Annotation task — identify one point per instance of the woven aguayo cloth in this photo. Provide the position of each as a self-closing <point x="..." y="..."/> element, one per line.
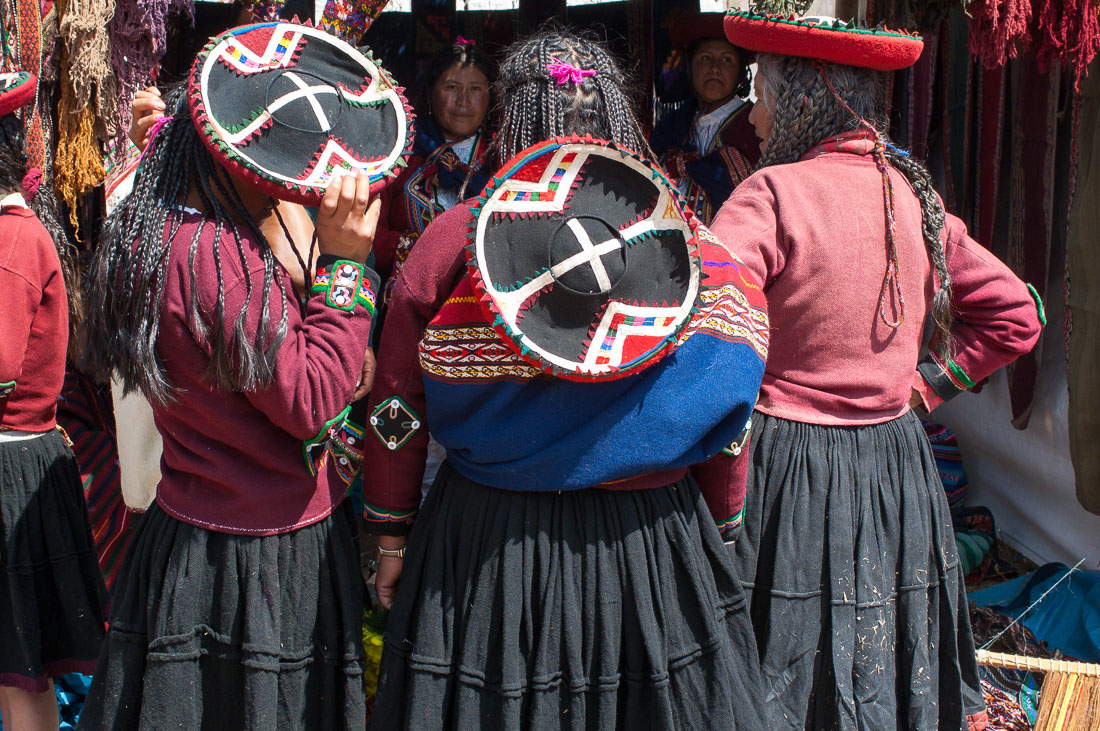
<point x="286" y="107"/>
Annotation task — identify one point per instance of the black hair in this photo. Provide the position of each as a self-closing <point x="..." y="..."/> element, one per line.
<point x="807" y="111"/>
<point x="746" y="57"/>
<point x="536" y="107"/>
<point x="462" y="54"/>
<point x="13" y="168"/>
<point x="126" y="281"/>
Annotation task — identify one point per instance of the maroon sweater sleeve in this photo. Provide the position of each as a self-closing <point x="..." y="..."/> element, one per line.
<point x="319" y="362"/>
<point x="392" y="477"/>
<point x="19" y="297"/>
<point x="999" y="319"/>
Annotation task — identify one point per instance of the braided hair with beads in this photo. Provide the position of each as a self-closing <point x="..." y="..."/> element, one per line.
<point x="812" y="101"/>
<point x="126" y="279"/>
<point x="536" y="106"/>
<point x="13" y="171"/>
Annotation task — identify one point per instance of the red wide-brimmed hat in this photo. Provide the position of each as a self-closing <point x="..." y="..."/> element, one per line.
<point x="16" y="90"/>
<point x="828" y="39"/>
<point x="288" y="108"/>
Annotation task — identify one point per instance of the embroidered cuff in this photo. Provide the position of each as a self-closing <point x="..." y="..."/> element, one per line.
<point x="340" y="443"/>
<point x="730" y="528"/>
<point x="946" y="378"/>
<point x="383" y="522"/>
<point x="1039" y="309"/>
<point x="345" y="284"/>
<point x="7" y="389"/>
<point x="930" y="400"/>
<point x="394" y="422"/>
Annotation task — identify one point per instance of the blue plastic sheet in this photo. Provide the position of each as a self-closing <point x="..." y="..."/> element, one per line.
<point x="1067" y="619"/>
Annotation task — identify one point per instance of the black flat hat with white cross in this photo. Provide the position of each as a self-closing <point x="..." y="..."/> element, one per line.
<point x="288" y="107"/>
<point x="585" y="259"/>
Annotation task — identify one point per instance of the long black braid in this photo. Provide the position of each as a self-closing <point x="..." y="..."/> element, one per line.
<point x="807" y="112"/>
<point x="126" y="280"/>
<point x="13" y="168"/>
<point x="535" y="107"/>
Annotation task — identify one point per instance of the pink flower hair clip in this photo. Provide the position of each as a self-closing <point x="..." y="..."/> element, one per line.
<point x="460" y="41"/>
<point x="565" y="72"/>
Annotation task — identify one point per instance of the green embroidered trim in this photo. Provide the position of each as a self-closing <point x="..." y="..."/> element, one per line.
<point x="394" y="422"/>
<point x="341" y="293"/>
<point x="1038" y="305"/>
<point x="960" y="374"/>
<point x="731" y="522"/>
<point x="7" y="389"/>
<point x="312" y="460"/>
<point x="381" y="515"/>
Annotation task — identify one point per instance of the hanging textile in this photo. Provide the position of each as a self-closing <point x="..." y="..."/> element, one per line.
<point x="349" y="19"/>
<point x="1031" y="215"/>
<point x="139" y="38"/>
<point x="1083" y="301"/>
<point x="1067" y="32"/>
<point x="85" y="112"/>
<point x="998" y="29"/>
<point x="992" y="90"/>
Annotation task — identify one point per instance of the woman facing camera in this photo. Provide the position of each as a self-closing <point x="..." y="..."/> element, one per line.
<point x="858" y="600"/>
<point x="708" y="145"/>
<point x="449" y="150"/>
<point x="565" y="570"/>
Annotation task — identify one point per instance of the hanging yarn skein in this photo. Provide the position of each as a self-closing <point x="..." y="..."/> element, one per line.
<point x="139" y="38"/>
<point x="1068" y="32"/>
<point x="998" y="30"/>
<point x="85" y="112"/>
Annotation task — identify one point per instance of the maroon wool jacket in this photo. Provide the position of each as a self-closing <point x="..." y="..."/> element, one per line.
<point x="814" y="232"/>
<point x="233" y="461"/>
<point x="34" y="323"/>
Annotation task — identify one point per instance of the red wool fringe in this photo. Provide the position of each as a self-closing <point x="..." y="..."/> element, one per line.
<point x="1067" y="31"/>
<point x="999" y="29"/>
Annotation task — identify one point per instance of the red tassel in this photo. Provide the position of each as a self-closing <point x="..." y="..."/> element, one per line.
<point x="1068" y="32"/>
<point x="998" y="30"/>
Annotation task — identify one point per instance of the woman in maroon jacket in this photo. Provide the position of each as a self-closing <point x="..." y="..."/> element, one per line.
<point x="52" y="598"/>
<point x="857" y="594"/>
<point x="240" y="603"/>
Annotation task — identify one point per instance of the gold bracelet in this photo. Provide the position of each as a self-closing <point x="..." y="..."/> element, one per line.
<point x="396" y="553"/>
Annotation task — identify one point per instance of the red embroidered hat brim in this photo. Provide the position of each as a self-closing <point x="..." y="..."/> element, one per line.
<point x="16" y="90"/>
<point x="287" y="108"/>
<point x="826" y="39"/>
<point x="585" y="259"/>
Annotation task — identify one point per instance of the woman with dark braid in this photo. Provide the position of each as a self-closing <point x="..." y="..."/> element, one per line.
<point x="564" y="571"/>
<point x="52" y="598"/>
<point x="858" y="600"/>
<point x="240" y="602"/>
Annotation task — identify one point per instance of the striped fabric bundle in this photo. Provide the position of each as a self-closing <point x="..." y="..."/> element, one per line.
<point x="949" y="463"/>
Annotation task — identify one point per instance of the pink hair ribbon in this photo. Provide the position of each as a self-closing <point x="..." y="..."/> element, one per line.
<point x="566" y="72"/>
<point x="460" y="41"/>
<point x="153" y="132"/>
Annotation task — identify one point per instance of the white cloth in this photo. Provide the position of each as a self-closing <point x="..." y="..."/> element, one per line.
<point x="706" y="125"/>
<point x="139" y="448"/>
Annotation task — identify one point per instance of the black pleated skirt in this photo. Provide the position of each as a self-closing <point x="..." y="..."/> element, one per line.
<point x="857" y="596"/>
<point x="52" y="598"/>
<point x="216" y="631"/>
<point x="590" y="609"/>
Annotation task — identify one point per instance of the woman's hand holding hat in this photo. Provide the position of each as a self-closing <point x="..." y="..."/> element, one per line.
<point x="347" y="218"/>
